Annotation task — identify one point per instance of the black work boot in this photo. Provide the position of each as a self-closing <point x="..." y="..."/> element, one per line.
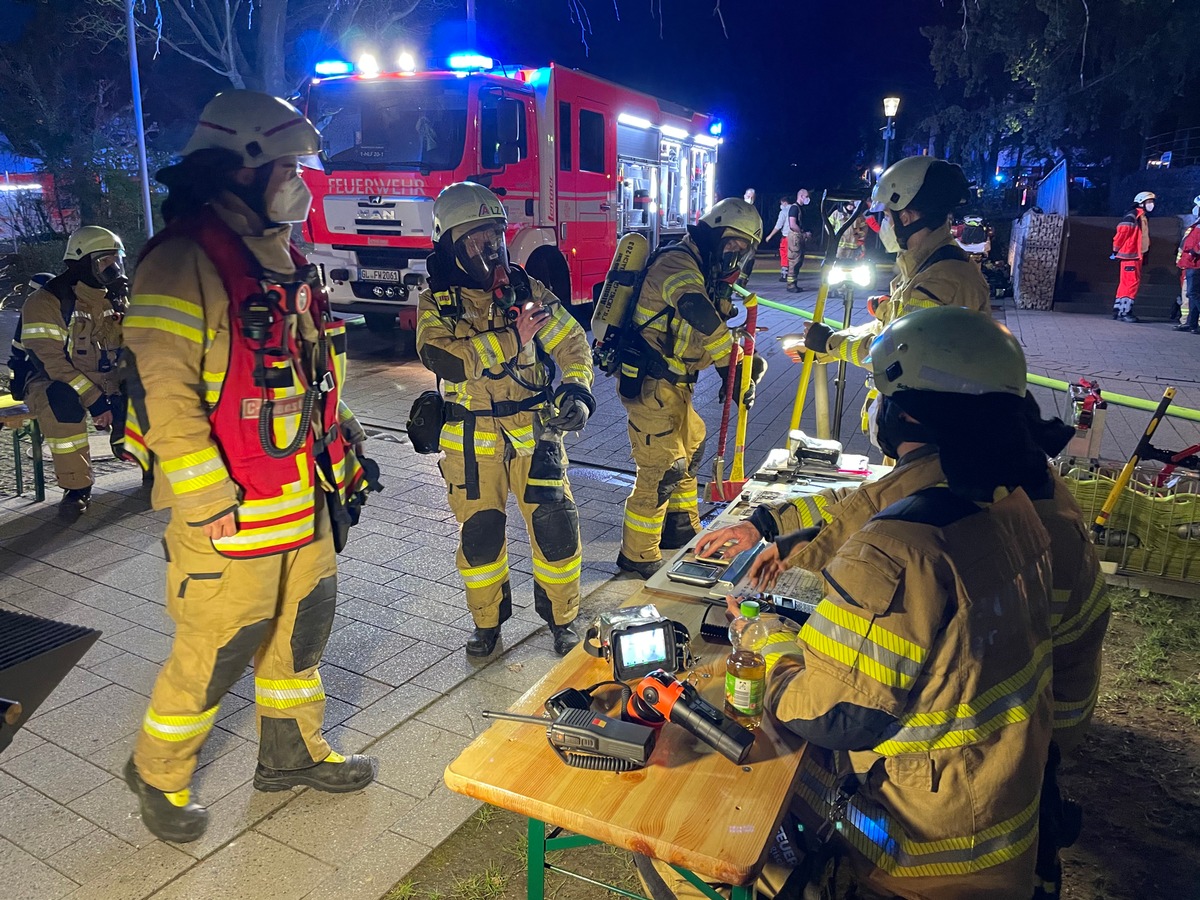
<point x="75" y="501"/>
<point x="637" y="567"/>
<point x="483" y="641"/>
<point x="168" y="815"/>
<point x="336" y="774"/>
<point x="564" y="638"/>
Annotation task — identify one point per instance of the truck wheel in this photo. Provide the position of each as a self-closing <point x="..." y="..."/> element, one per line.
<point x="406" y="344"/>
<point x="380" y="323"/>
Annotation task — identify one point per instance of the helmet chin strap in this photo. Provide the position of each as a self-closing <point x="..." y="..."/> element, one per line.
<point x="904" y="232"/>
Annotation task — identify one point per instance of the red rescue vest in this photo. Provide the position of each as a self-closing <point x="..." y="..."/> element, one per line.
<point x="276" y="470"/>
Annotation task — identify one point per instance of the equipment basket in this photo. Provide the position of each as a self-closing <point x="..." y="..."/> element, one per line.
<point x="1154" y="530"/>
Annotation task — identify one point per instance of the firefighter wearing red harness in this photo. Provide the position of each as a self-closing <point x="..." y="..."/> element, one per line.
<point x="1130" y="245"/>
<point x="235" y="374"/>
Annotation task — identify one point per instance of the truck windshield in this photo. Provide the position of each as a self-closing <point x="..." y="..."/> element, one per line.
<point x="406" y="124"/>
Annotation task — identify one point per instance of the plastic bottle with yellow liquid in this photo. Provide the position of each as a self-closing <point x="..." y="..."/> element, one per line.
<point x="745" y="668"/>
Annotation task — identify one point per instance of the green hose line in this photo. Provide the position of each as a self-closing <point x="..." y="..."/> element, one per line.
<point x="1178" y="412"/>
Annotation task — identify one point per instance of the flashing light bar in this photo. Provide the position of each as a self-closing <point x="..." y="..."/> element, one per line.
<point x="470" y="61"/>
<point x="368" y="65"/>
<point x="333" y="67"/>
<point x="707" y="140"/>
<point x="671" y="131"/>
<point x="634" y="121"/>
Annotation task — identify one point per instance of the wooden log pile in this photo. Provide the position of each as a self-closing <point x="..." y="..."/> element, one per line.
<point x="1036" y="245"/>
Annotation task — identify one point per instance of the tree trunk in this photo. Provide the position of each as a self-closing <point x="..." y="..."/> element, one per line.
<point x="269" y="71"/>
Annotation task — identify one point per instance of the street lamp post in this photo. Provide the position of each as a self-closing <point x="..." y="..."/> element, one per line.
<point x="890" y="107"/>
<point x="139" y="126"/>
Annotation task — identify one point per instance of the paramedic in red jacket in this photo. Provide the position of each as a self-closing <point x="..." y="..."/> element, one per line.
<point x="1130" y="245"/>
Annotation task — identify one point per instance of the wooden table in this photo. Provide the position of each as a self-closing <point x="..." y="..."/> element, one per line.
<point x="690" y="807"/>
<point x="23" y="425"/>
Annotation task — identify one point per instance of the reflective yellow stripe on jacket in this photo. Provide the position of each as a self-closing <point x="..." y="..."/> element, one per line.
<point x="877" y="836"/>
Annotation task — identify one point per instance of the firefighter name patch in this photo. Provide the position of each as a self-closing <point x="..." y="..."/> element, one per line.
<point x="289" y="406"/>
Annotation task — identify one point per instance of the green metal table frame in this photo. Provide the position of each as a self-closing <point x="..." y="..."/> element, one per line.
<point x="540" y="843"/>
<point x="30" y="430"/>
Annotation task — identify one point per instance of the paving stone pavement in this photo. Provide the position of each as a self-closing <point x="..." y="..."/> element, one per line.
<point x="399" y="685"/>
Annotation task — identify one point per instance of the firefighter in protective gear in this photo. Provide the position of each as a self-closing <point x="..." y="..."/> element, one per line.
<point x="71" y="337"/>
<point x="917" y="195"/>
<point x="236" y="372"/>
<point x="1131" y="243"/>
<point x="680" y="320"/>
<point x="924" y="762"/>
<point x="497" y="337"/>
<point x="933" y="758"/>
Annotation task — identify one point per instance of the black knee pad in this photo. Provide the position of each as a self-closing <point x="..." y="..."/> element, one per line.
<point x="232" y="660"/>
<point x="64" y="402"/>
<point x="556" y="529"/>
<point x="483" y="536"/>
<point x="314" y="619"/>
<point x="670" y="480"/>
<point x="281" y="746"/>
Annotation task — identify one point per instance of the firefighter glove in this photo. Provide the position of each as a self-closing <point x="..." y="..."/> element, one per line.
<point x="817" y="337"/>
<point x="575" y="405"/>
<point x="100" y="407"/>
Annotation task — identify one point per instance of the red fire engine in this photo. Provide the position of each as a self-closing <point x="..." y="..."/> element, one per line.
<point x="576" y="160"/>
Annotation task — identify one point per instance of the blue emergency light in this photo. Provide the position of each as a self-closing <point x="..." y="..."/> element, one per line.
<point x="333" y="67"/>
<point x="470" y="61"/>
<point x="716" y="127"/>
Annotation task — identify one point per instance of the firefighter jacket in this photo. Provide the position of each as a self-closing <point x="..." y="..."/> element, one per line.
<point x="494" y="386"/>
<point x="1189" y="248"/>
<point x="677" y="317"/>
<point x="81" y="352"/>
<point x="1132" y="238"/>
<point x="1079" y="611"/>
<point x="197" y="404"/>
<point x="927" y="669"/>
<point x="938" y="273"/>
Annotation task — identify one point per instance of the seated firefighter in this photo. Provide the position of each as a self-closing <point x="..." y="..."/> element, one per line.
<point x="66" y="363"/>
<point x="924" y="684"/>
<point x="498" y="338"/>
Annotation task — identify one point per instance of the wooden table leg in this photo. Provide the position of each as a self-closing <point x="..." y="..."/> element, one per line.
<point x="535" y="861"/>
<point x="16" y="438"/>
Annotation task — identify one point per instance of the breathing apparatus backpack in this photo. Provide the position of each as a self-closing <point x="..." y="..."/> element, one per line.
<point x="618" y="346"/>
<point x="24" y="366"/>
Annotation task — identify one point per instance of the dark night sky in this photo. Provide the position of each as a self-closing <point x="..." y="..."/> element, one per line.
<point x="799" y="83"/>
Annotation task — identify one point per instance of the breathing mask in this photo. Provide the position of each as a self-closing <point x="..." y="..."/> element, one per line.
<point x="1148" y="206"/>
<point x="734" y="252"/>
<point x="290" y="203"/>
<point x="108" y="268"/>
<point x="887" y="235"/>
<point x="482" y="254"/>
<point x="888" y="428"/>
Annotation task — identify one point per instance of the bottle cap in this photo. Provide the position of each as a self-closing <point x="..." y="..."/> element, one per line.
<point x="749" y="608"/>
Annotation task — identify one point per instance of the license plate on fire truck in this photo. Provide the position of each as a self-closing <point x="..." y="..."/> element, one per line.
<point x="388" y="275"/>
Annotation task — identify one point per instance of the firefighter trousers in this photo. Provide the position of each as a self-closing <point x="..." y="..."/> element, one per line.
<point x="275" y="610"/>
<point x="795" y="257"/>
<point x="482" y="558"/>
<point x="666" y="436"/>
<point x="63" y="422"/>
<point x="1129" y="283"/>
